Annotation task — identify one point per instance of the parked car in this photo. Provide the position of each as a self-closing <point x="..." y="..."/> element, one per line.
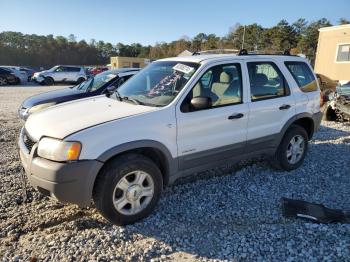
<point x="7" y="77"/>
<point x="337" y="106"/>
<point x="22" y="76"/>
<point x="29" y="71"/>
<point x="61" y="73"/>
<point x="92" y="87"/>
<point x="97" y="70"/>
<point x="176" y="117"/>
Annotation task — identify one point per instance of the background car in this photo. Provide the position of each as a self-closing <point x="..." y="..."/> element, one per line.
<point x="92" y="87"/>
<point x="61" y="73"/>
<point x="7" y="77"/>
<point x="21" y="75"/>
<point x="97" y="70"/>
<point x="337" y="106"/>
<point x="29" y="71"/>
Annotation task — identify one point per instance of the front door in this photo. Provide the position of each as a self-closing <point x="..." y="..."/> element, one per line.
<point x="218" y="132"/>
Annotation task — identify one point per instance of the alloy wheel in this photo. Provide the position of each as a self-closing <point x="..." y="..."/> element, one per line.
<point x="295" y="149"/>
<point x="3" y="81"/>
<point x="133" y="192"/>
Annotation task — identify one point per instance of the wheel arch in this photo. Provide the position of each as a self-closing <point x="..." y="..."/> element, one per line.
<point x="305" y="120"/>
<point x="154" y="150"/>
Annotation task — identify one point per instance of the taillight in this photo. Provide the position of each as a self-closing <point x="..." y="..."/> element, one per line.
<point x="321" y="99"/>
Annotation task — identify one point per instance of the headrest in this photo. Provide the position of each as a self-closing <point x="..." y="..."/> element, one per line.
<point x="260" y="80"/>
<point x="225" y="78"/>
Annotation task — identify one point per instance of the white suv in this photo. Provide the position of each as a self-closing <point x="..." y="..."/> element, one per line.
<point x="61" y="73"/>
<point x="176" y="117"/>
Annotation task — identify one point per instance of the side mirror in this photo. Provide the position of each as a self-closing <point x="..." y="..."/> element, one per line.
<point x="110" y="90"/>
<point x="201" y="102"/>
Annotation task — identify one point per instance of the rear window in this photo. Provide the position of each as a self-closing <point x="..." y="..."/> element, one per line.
<point x="303" y="76"/>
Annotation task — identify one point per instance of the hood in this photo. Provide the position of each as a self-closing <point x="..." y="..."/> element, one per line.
<point x="52" y="96"/>
<point x="64" y="119"/>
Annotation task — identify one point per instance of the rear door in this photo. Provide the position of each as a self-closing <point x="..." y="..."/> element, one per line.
<point x="271" y="103"/>
<point x="72" y="73"/>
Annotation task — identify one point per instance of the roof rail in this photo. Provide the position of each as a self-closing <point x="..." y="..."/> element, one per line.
<point x="243" y="52"/>
<point x="285" y="52"/>
<point x="216" y="51"/>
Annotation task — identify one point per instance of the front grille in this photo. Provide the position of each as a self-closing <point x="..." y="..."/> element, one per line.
<point x="28" y="141"/>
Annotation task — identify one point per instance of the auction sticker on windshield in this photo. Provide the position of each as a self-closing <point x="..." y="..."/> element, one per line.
<point x="183" y="68"/>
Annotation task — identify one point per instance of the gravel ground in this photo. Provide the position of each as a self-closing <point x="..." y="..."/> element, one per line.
<point x="230" y="213"/>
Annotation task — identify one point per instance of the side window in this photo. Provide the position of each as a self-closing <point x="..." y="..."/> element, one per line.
<point x="302" y="75"/>
<point x="59" y="69"/>
<point x="222" y="84"/>
<point x="266" y="81"/>
<point x="206" y="79"/>
<point x="73" y="69"/>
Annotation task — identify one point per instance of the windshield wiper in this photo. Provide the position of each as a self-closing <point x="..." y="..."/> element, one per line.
<point x="135" y="101"/>
<point x="118" y="96"/>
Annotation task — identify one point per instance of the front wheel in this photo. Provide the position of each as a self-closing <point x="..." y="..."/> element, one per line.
<point x="128" y="189"/>
<point x="49" y="81"/>
<point x="292" y="149"/>
<point x="3" y="81"/>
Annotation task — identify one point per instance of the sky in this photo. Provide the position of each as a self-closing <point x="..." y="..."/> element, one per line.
<point x="151" y="21"/>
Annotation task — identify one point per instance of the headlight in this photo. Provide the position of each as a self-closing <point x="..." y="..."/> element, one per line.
<point x="58" y="150"/>
<point x="40" y="107"/>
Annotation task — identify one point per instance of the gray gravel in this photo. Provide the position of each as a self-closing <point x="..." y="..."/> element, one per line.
<point x="231" y="213"/>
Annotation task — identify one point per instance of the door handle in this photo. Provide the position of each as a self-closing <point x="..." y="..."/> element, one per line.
<point x="235" y="116"/>
<point x="284" y="107"/>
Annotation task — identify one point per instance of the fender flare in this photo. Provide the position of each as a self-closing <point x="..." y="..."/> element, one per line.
<point x="171" y="164"/>
<point x="312" y="117"/>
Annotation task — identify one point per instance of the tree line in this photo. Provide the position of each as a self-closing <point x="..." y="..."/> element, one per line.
<point x="36" y="50"/>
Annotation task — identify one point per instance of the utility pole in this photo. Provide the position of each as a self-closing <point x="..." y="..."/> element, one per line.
<point x="243" y="37"/>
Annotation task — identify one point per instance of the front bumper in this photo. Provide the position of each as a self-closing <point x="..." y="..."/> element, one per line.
<point x="38" y="79"/>
<point x="70" y="182"/>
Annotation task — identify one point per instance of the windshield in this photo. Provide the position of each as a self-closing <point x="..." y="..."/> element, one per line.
<point x="53" y="69"/>
<point x="159" y="83"/>
<point x="97" y="81"/>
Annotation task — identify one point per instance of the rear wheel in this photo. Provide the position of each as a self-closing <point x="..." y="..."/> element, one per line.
<point x="128" y="189"/>
<point x="292" y="149"/>
<point x="49" y="81"/>
<point x="3" y="81"/>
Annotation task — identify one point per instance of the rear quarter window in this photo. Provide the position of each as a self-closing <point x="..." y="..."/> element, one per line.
<point x="303" y="75"/>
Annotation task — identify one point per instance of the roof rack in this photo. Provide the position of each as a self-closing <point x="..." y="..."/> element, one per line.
<point x="216" y="51"/>
<point x="243" y="52"/>
<point x="285" y="52"/>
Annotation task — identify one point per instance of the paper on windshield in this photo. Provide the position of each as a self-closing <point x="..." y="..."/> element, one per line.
<point x="183" y="68"/>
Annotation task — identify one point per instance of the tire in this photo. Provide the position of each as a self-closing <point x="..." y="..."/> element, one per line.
<point x="117" y="190"/>
<point x="284" y="154"/>
<point x="80" y="80"/>
<point x="49" y="81"/>
<point x="330" y="114"/>
<point x="3" y="81"/>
